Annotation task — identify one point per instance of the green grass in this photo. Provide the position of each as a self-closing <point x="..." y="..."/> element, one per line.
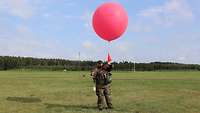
<point x="69" y="92"/>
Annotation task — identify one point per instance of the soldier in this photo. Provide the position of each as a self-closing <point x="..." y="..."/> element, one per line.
<point x="96" y="70"/>
<point x="103" y="80"/>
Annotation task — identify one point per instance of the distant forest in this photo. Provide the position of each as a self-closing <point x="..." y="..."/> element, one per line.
<point x="10" y="63"/>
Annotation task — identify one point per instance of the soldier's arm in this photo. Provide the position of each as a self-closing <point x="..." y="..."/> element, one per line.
<point x="110" y="67"/>
<point x="93" y="75"/>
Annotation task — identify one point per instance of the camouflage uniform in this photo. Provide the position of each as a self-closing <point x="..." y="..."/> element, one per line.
<point x="102" y="89"/>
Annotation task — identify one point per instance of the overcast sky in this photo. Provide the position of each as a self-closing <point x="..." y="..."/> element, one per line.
<point x="159" y="30"/>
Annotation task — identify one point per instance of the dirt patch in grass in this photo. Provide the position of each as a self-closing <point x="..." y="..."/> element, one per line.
<point x="24" y="99"/>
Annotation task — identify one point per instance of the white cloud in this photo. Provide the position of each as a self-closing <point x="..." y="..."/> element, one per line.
<point x="23" y="42"/>
<point x="93" y="50"/>
<point x="88" y="45"/>
<point x="19" y="8"/>
<point x="182" y="58"/>
<point x="92" y="47"/>
<point x="123" y="47"/>
<point x="122" y="50"/>
<point x="87" y="18"/>
<point x="138" y="27"/>
<point x="68" y="17"/>
<point x="119" y="50"/>
<point x="172" y="12"/>
<point x="71" y="3"/>
<point x="23" y="30"/>
<point x="46" y="15"/>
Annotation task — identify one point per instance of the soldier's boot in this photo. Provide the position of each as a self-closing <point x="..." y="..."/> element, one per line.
<point x="100" y="102"/>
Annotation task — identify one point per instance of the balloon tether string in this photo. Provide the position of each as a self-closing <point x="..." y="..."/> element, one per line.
<point x="109" y="44"/>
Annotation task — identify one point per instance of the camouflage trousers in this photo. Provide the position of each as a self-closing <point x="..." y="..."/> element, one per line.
<point x="103" y="92"/>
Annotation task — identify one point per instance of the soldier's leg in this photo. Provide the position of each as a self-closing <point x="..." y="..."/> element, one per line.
<point x="107" y="93"/>
<point x="100" y="100"/>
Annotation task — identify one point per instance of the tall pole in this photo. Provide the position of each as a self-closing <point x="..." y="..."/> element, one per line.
<point x="79" y="60"/>
<point x="134" y="66"/>
<point x="79" y="56"/>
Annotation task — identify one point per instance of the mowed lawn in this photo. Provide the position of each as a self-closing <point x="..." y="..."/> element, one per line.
<point x="70" y="92"/>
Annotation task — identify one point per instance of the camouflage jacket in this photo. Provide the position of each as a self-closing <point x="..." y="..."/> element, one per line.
<point x="101" y="77"/>
<point x="94" y="73"/>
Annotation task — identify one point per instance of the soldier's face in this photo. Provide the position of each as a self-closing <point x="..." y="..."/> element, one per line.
<point x="99" y="65"/>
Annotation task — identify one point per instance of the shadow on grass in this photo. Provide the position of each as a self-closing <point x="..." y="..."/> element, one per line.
<point x="24" y="99"/>
<point x="48" y="106"/>
<point x="83" y="107"/>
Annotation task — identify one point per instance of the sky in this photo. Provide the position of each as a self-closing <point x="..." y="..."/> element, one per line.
<point x="158" y="30"/>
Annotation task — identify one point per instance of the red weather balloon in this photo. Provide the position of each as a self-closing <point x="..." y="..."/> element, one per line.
<point x="110" y="21"/>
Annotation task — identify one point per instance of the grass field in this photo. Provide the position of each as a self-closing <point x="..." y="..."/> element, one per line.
<point x="70" y="92"/>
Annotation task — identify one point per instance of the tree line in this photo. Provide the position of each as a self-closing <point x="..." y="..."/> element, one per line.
<point x="11" y="62"/>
